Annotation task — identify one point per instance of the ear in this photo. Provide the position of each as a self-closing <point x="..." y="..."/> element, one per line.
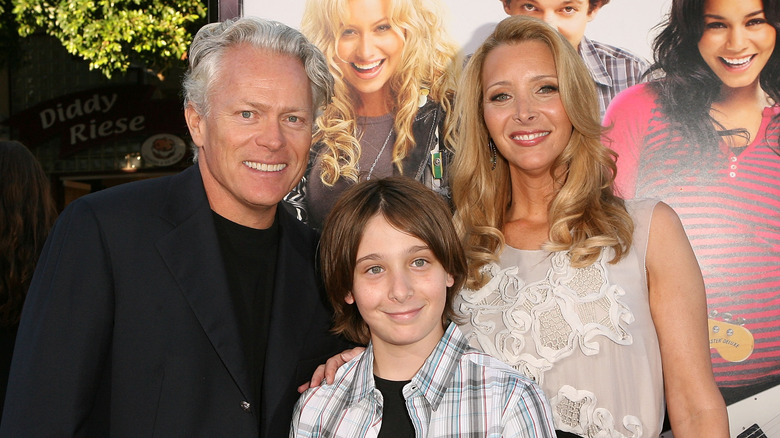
<point x="507" y="6"/>
<point x="195" y="124"/>
<point x="349" y="298"/>
<point x="450" y="280"/>
<point x="593" y="12"/>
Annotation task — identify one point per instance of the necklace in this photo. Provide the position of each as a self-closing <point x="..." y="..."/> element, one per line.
<point x="370" y="171"/>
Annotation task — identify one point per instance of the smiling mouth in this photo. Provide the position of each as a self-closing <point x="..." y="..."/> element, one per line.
<point x="367" y="68"/>
<point x="737" y="62"/>
<point x="528" y="137"/>
<point x="263" y="167"/>
<point x="404" y="315"/>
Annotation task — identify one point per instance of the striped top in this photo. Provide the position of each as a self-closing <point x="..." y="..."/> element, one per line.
<point x="729" y="204"/>
<point x="459" y="391"/>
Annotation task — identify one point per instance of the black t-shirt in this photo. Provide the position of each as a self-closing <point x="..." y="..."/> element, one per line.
<point x="250" y="263"/>
<point x="395" y="418"/>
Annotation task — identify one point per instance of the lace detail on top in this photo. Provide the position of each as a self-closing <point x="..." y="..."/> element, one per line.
<point x="570" y="310"/>
<point x="566" y="310"/>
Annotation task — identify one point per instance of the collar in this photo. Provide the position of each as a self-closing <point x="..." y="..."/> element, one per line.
<point x="596" y="67"/>
<point x="431" y="381"/>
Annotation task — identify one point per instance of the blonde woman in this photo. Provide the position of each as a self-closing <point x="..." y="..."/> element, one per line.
<point x="601" y="301"/>
<point x="394" y="68"/>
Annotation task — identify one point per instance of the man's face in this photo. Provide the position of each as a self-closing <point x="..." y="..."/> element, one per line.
<point x="254" y="142"/>
<point x="570" y="17"/>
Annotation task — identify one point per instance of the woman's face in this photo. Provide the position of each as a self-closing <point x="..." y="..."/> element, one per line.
<point x="737" y="40"/>
<point x="522" y="106"/>
<point x="369" y="48"/>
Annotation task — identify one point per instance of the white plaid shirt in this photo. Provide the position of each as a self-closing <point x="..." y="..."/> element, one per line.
<point x="612" y="68"/>
<point x="458" y="392"/>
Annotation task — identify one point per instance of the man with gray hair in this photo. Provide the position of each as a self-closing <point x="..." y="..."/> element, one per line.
<point x="188" y="305"/>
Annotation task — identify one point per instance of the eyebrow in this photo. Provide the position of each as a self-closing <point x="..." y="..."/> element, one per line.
<point x="535" y="78"/>
<point x="381" y="20"/>
<point x="718" y="17"/>
<point x="267" y="108"/>
<point x="376" y="256"/>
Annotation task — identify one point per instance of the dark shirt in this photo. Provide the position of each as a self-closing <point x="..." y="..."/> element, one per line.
<point x="250" y="262"/>
<point x="395" y="418"/>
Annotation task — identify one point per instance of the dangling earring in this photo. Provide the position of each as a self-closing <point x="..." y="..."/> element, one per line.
<point x="492" y="147"/>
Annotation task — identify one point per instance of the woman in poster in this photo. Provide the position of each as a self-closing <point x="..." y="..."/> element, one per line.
<point x="394" y="66"/>
<point x="704" y="139"/>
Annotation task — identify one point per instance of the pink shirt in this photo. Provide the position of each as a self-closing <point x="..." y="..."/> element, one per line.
<point x="729" y="205"/>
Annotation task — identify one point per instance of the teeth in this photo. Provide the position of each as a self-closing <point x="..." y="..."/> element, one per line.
<point x="265" y="167"/>
<point x="527" y="137"/>
<point x="737" y="61"/>
<point x="367" y="66"/>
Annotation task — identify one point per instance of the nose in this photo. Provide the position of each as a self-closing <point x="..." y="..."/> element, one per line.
<point x="401" y="289"/>
<point x="525" y="109"/>
<point x="736" y="39"/>
<point x="550" y="17"/>
<point x="270" y="135"/>
<point x="365" y="48"/>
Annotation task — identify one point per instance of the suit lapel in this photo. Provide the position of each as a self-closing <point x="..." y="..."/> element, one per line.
<point x="193" y="256"/>
<point x="289" y="313"/>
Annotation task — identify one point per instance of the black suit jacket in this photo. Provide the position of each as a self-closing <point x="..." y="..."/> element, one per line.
<point x="129" y="330"/>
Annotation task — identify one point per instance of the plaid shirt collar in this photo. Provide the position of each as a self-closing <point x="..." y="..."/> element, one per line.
<point x="432" y="380"/>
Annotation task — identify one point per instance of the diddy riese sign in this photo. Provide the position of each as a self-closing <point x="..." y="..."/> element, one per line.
<point x="85" y="119"/>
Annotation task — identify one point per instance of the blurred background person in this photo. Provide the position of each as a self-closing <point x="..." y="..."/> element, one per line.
<point x="705" y="140"/>
<point x="613" y="69"/>
<point x="586" y="293"/>
<point x="27" y="212"/>
<point x="393" y="62"/>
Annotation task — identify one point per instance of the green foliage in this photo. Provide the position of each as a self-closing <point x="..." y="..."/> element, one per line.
<point x="112" y="34"/>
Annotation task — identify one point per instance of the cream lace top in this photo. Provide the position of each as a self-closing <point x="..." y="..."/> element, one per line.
<point x="585" y="335"/>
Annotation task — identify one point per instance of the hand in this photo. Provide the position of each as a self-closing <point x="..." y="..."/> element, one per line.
<point x="328" y="370"/>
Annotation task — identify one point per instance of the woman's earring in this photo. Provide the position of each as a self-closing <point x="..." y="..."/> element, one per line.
<point x="492" y="147"/>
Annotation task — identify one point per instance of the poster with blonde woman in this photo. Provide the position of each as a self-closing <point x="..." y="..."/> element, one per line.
<point x="395" y="69"/>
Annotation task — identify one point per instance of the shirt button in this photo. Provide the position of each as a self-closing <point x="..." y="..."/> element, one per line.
<point x="733" y="158"/>
<point x="246" y="406"/>
<point x="733" y="166"/>
<point x="732" y="174"/>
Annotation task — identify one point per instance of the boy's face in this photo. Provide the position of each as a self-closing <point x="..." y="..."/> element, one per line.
<point x="400" y="288"/>
<point x="570" y="17"/>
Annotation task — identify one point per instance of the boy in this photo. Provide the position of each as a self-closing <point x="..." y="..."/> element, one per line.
<point x="613" y="69"/>
<point x="392" y="263"/>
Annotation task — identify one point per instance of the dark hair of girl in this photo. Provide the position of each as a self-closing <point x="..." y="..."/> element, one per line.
<point x="689" y="86"/>
<point x="27" y="212"/>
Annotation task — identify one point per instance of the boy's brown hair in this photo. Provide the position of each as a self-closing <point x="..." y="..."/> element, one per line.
<point x="408" y="206"/>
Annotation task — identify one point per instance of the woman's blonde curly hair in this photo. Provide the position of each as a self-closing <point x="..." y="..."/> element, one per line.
<point x="585" y="215"/>
<point x="427" y="66"/>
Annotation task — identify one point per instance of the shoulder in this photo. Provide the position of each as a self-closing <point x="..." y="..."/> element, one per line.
<point x="664" y="217"/>
<point x="343" y="390"/>
<point x="296" y="231"/>
<point x="431" y="112"/>
<point x="494" y="372"/>
<point x="640" y="94"/>
<point x="636" y="102"/>
<point x="609" y="51"/>
<point x="666" y="234"/>
<point x="130" y="199"/>
<point x="640" y="208"/>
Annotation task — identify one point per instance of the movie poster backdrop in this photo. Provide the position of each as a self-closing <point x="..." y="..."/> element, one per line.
<point x="631" y="24"/>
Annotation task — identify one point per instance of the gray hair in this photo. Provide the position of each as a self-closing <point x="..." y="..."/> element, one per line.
<point x="213" y="40"/>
